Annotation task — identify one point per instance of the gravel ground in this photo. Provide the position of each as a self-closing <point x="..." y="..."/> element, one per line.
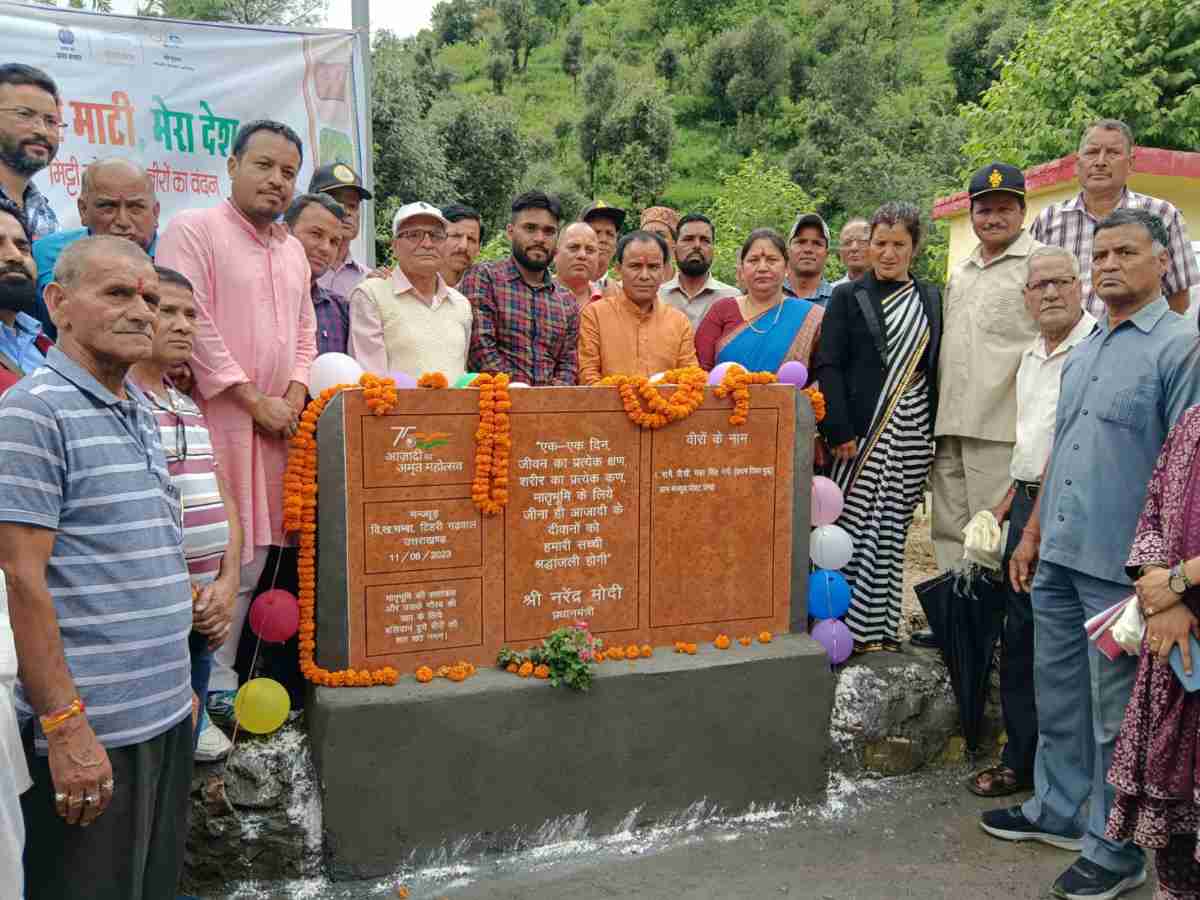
<point x="918" y="566"/>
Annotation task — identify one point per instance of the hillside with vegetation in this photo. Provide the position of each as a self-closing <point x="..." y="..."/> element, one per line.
<point x="752" y="109"/>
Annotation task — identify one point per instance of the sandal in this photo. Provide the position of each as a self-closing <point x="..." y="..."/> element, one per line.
<point x="867" y="647"/>
<point x="1002" y="781"/>
<point x="891" y="645"/>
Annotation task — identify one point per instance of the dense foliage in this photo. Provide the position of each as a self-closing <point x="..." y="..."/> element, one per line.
<point x="752" y="109"/>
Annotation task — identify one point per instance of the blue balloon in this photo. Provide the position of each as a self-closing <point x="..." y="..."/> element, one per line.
<point x="828" y="594"/>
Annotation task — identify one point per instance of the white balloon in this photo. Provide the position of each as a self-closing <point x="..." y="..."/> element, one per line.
<point x="329" y="369"/>
<point x="830" y="547"/>
<point x="517" y="384"/>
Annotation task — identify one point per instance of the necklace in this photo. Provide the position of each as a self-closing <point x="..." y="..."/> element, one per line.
<point x="774" y="321"/>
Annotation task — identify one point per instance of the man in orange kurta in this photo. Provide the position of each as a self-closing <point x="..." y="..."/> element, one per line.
<point x="633" y="332"/>
<point x="255" y="341"/>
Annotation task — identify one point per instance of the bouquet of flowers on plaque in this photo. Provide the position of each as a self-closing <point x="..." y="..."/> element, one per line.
<point x="564" y="658"/>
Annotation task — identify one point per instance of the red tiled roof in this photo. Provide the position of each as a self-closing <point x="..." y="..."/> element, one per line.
<point x="1146" y="161"/>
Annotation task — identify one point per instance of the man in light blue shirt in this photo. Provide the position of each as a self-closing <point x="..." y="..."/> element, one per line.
<point x="1123" y="387"/>
<point x="116" y="196"/>
<point x="19" y="331"/>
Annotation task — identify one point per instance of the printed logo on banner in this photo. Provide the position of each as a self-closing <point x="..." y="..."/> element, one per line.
<point x="121" y="50"/>
<point x="171" y="39"/>
<point x="69" y="47"/>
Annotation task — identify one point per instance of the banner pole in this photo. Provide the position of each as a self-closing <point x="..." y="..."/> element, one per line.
<point x="360" y="20"/>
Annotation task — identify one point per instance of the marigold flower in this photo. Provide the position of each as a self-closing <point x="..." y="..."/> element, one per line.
<point x="764" y="637"/>
<point x="424" y="674"/>
<point x="722" y="642"/>
<point x="542" y="671"/>
<point x="647" y="651"/>
<point x="526" y="669"/>
<point x="690" y="649"/>
<point x="745" y="640"/>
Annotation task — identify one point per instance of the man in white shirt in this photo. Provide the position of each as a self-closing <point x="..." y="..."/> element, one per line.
<point x="14" y="773"/>
<point x="412" y="322"/>
<point x="1054" y="299"/>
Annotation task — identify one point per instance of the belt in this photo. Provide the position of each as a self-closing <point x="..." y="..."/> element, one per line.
<point x="1030" y="488"/>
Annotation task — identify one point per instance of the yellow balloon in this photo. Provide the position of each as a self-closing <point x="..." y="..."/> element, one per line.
<point x="262" y="705"/>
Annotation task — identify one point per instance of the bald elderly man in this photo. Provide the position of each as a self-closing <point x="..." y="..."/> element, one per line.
<point x="116" y="197"/>
<point x="575" y="260"/>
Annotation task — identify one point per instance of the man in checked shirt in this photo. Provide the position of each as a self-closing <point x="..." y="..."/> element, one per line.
<point x="315" y="220"/>
<point x="526" y="323"/>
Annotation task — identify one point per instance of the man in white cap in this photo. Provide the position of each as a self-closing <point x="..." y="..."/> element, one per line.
<point x="412" y="322"/>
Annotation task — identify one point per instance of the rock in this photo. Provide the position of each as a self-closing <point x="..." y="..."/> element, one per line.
<point x="894" y="713"/>
<point x="257" y="818"/>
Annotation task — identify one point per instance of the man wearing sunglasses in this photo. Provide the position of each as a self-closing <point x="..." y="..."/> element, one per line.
<point x="30" y="132"/>
<point x="412" y="322"/>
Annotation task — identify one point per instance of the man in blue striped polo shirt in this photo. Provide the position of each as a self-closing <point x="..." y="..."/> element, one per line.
<point x="99" y="596"/>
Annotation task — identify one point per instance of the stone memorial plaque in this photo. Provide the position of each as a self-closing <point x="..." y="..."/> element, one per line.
<point x="648" y="536"/>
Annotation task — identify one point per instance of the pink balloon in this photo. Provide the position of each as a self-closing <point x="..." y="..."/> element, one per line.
<point x="275" y="615"/>
<point x="718" y="372"/>
<point x="793" y="372"/>
<point x="827" y="501"/>
<point x="403" y="380"/>
<point x="835" y="637"/>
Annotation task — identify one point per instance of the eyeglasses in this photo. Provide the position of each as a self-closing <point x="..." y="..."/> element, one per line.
<point x="1060" y="284"/>
<point x="418" y="235"/>
<point x="28" y="116"/>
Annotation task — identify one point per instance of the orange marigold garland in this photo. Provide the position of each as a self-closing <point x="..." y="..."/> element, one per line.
<point x="300" y="516"/>
<point x="433" y="380"/>
<point x="380" y="394"/>
<point x="737" y="382"/>
<point x="493" y="442"/>
<point x="818" y="401"/>
<point x="659" y="411"/>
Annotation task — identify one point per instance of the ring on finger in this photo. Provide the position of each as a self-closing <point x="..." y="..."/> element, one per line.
<point x="60" y="797"/>
<point x="75" y="800"/>
<point x="91" y="799"/>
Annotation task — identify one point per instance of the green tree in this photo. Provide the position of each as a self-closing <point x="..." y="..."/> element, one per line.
<point x="1135" y="61"/>
<point x="453" y="21"/>
<point x="600" y="92"/>
<point x="668" y="62"/>
<point x="572" y="56"/>
<point x="975" y="48"/>
<point x="746" y="70"/>
<point x="246" y="12"/>
<point x="757" y="195"/>
<point x="485" y="152"/>
<point x="498" y="70"/>
<point x="639" y="137"/>
<point x="410" y="163"/>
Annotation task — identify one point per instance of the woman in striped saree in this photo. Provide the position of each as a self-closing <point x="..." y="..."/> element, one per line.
<point x="878" y="338"/>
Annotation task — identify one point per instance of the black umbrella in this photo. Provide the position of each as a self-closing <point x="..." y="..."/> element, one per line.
<point x="966" y="613"/>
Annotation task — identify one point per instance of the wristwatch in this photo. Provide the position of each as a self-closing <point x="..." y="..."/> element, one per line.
<point x="1178" y="581"/>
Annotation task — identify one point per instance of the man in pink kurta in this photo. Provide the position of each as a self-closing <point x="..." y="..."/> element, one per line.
<point x="255" y="341"/>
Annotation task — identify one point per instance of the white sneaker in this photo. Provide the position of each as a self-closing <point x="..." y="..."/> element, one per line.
<point x="213" y="745"/>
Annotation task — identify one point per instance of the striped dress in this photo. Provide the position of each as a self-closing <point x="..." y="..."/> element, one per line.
<point x="884" y="482"/>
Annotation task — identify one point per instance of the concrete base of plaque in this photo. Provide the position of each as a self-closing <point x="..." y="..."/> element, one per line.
<point x="414" y="767"/>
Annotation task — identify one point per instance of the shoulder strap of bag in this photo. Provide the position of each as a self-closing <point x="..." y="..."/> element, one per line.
<point x="868" y="311"/>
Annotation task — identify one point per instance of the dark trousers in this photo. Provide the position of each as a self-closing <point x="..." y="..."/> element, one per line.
<point x="1016" y="660"/>
<point x="278" y="661"/>
<point x="134" y="851"/>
